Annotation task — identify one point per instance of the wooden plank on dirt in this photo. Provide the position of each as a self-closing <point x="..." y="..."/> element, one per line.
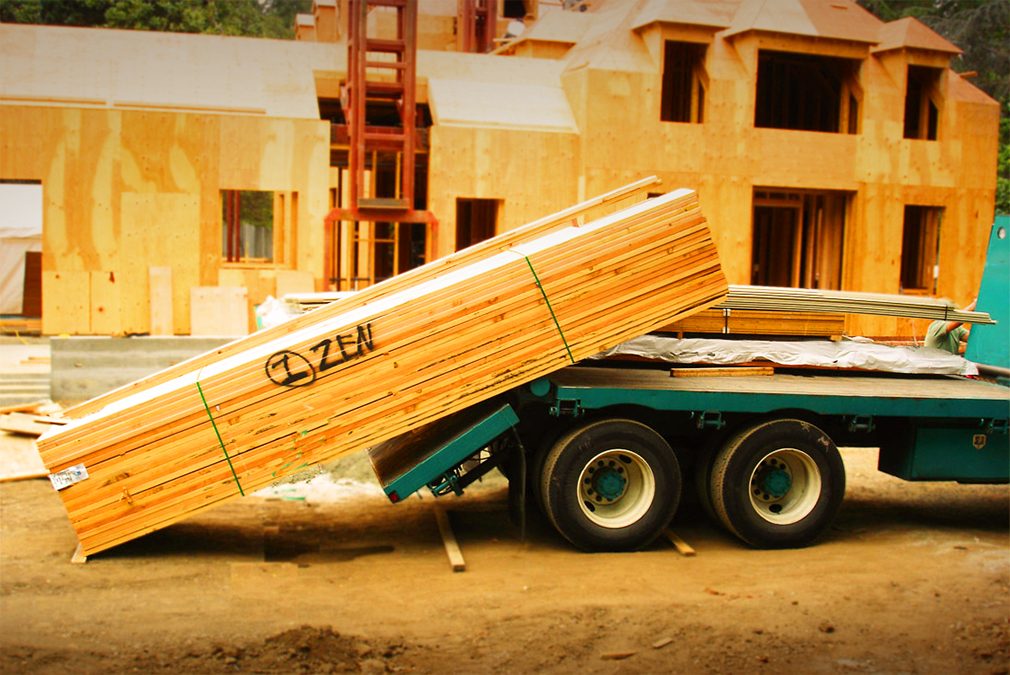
<point x="682" y="546"/>
<point x="381" y="363"/>
<point x="452" y="549"/>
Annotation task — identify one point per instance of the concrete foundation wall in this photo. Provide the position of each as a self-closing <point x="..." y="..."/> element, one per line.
<point x="85" y="367"/>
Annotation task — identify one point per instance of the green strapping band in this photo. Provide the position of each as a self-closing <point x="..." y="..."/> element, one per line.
<point x="551" y="309"/>
<point x="219" y="439"/>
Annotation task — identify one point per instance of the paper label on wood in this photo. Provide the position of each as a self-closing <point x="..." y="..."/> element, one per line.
<point x="67" y="477"/>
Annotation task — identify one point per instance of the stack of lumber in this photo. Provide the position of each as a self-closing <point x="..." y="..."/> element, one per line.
<point x="779" y="299"/>
<point x="417" y="275"/>
<point x="755" y="322"/>
<point x="379" y="364"/>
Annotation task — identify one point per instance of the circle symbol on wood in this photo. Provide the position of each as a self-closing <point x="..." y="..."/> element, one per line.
<point x="290" y="369"/>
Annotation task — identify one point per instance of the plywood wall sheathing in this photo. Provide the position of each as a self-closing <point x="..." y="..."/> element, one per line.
<point x="160" y="291"/>
<point x="219" y="311"/>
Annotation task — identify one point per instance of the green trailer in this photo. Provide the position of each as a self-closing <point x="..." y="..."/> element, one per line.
<point x="607" y="451"/>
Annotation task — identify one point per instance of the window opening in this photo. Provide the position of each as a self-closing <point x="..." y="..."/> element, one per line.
<point x="476" y="220"/>
<point x="920" y="249"/>
<point x="798" y="238"/>
<point x="804" y="92"/>
<point x="331" y="110"/>
<point x="683" y="94"/>
<point x="21" y="247"/>
<point x="922" y="91"/>
<point x="514" y="9"/>
<point x="252" y="224"/>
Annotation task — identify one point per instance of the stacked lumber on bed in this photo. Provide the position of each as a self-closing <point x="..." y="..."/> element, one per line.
<point x="415" y="276"/>
<point x="780" y="299"/>
<point x="379" y="364"/>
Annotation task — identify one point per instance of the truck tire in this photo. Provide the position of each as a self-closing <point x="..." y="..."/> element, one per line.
<point x="778" y="484"/>
<point x="611" y="485"/>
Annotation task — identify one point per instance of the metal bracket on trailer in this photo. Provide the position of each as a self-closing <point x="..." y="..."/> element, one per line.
<point x="710" y="419"/>
<point x="567" y="408"/>
<point x="863" y="423"/>
<point x="995" y="426"/>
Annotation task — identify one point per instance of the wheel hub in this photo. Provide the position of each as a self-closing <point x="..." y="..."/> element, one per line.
<point x="609" y="483"/>
<point x="774" y="481"/>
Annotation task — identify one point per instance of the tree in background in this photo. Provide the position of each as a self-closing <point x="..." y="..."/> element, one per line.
<point x="982" y="29"/>
<point x="254" y="18"/>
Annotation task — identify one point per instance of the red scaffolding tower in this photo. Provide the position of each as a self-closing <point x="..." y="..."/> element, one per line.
<point x="380" y="74"/>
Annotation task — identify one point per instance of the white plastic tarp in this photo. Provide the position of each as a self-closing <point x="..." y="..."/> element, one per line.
<point x="853" y="353"/>
<point x="20" y="232"/>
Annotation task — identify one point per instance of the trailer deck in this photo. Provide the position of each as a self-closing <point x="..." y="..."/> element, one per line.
<point x="834" y="394"/>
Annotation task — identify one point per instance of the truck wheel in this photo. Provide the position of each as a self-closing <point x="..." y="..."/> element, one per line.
<point x="611" y="485"/>
<point x="778" y="484"/>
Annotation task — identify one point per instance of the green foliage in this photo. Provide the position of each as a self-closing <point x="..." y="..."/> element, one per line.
<point x="1003" y="164"/>
<point x="255" y="18"/>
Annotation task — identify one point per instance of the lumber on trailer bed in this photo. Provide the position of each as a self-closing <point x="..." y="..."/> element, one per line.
<point x="360" y="371"/>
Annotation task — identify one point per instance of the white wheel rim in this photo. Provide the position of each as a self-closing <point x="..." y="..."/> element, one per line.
<point x="616" y="488"/>
<point x="785" y="486"/>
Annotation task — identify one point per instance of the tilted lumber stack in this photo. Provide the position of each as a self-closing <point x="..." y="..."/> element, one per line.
<point x="417" y="275"/>
<point x="355" y="373"/>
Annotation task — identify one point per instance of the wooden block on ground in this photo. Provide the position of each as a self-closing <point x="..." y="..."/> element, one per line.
<point x="79" y="558"/>
<point x="682" y="546"/>
<point x="452" y="549"/>
<point x="218" y="311"/>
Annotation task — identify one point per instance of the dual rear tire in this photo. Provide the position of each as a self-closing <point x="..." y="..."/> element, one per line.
<point x="611" y="485"/>
<point x="615" y="484"/>
<point x="777" y="484"/>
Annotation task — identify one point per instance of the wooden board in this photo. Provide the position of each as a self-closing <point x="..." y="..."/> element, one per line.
<point x="731" y="371"/>
<point x="293" y="281"/>
<point x="19" y="460"/>
<point x="66" y="297"/>
<point x="28" y="425"/>
<point x="160" y="279"/>
<point x="752" y="322"/>
<point x="376" y="365"/>
<point x="218" y="311"/>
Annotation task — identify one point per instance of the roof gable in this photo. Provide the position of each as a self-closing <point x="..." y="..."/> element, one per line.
<point x="910" y="33"/>
<point x="834" y="19"/>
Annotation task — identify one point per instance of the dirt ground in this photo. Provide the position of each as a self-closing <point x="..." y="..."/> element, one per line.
<point x="913" y="578"/>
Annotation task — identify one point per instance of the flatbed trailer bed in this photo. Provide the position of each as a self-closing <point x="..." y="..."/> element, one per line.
<point x="606" y="450"/>
<point x="829" y="394"/>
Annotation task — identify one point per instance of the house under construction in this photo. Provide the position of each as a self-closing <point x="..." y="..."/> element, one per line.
<point x="829" y="149"/>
